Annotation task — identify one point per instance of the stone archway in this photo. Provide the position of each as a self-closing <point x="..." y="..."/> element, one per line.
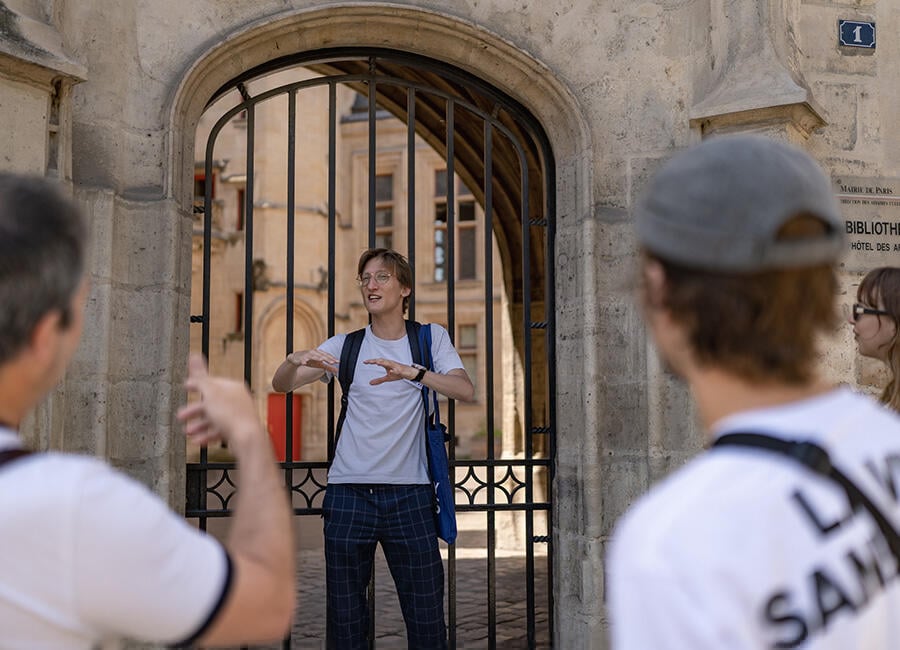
<point x="508" y="68"/>
<point x="417" y="31"/>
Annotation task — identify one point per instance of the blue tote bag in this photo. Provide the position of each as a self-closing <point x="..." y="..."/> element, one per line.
<point x="436" y="438"/>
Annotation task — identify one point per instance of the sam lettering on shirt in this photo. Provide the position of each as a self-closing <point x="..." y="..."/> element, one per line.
<point x="849" y="579"/>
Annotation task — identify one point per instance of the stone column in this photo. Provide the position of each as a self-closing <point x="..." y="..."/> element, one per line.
<point x="36" y="77"/>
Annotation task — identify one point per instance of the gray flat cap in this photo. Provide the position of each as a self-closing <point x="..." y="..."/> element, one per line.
<point x="719" y="205"/>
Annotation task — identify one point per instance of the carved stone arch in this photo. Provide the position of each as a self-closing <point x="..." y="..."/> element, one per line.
<point x="309" y="331"/>
<point x="408" y="29"/>
<point x="306" y="319"/>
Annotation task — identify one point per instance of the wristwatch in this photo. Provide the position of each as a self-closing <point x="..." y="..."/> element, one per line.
<point x="421" y="374"/>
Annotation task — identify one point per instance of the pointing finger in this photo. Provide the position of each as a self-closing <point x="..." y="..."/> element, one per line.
<point x="197" y="370"/>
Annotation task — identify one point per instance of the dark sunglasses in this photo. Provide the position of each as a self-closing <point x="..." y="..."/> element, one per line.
<point x="858" y="310"/>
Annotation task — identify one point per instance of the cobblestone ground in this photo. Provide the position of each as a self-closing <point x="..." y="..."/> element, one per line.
<point x="471" y="627"/>
<point x="471" y="608"/>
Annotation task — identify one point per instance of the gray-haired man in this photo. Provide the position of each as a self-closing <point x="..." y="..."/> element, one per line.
<point x="87" y="555"/>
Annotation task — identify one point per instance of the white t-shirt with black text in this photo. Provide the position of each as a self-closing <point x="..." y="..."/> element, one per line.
<point x="745" y="548"/>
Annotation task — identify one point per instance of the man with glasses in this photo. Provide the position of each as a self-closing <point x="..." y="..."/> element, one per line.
<point x="378" y="485"/>
<point x="784" y="533"/>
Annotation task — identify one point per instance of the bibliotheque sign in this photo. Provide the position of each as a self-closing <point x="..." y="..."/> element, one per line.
<point x="871" y="210"/>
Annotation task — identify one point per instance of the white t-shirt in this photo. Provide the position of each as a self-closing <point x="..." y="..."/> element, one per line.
<point x="382" y="439"/>
<point x="744" y="548"/>
<point x="89" y="556"/>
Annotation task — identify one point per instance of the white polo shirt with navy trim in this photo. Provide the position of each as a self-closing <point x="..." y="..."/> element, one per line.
<point x="89" y="556"/>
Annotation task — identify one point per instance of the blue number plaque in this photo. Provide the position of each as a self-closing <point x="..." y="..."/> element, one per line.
<point x="855" y="33"/>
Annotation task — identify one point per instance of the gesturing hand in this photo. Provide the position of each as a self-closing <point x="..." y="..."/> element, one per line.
<point x="225" y="410"/>
<point x="394" y="371"/>
<point x="315" y="359"/>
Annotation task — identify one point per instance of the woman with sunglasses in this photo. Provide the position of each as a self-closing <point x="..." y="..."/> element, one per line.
<point x="876" y="325"/>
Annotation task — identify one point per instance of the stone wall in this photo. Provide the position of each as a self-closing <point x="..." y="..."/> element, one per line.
<point x="618" y="86"/>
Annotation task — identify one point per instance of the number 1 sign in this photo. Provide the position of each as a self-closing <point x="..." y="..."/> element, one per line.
<point x="855" y="33"/>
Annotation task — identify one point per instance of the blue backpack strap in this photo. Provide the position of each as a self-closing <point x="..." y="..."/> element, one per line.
<point x="346" y="368"/>
<point x="424" y="343"/>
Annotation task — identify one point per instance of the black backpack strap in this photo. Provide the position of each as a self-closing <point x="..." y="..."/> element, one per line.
<point x="346" y="368"/>
<point x="816" y="458"/>
<point x="412" y="334"/>
<point x="9" y="455"/>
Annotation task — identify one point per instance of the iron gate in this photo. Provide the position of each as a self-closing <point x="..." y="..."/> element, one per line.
<point x="503" y="160"/>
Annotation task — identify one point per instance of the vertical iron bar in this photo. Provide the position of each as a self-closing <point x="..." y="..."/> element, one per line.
<point x="248" y="250"/>
<point x="451" y="327"/>
<point x="489" y="372"/>
<point x="289" y="301"/>
<point x="489" y="288"/>
<point x="204" y="332"/>
<point x="332" y="245"/>
<point x="411" y="192"/>
<point x="451" y="227"/>
<point x="372" y="172"/>
<point x="289" y="296"/>
<point x="550" y="317"/>
<point x="529" y="446"/>
<point x="207" y="244"/>
<point x="372" y="152"/>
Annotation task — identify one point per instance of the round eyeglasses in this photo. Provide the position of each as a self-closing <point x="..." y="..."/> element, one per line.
<point x="858" y="310"/>
<point x="381" y="278"/>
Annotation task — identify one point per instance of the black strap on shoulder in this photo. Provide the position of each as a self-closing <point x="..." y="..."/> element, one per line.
<point x="349" y="355"/>
<point x="412" y="335"/>
<point x="8" y="455"/>
<point x="816" y="458"/>
<point x="346" y="368"/>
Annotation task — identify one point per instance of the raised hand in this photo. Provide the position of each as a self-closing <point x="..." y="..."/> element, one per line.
<point x="394" y="370"/>
<point x="225" y="410"/>
<point x="314" y="359"/>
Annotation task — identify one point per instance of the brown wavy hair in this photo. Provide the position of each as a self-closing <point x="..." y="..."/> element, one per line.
<point x="760" y="326"/>
<point x="884" y="283"/>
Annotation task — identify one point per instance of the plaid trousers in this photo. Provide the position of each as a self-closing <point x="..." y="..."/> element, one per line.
<point x="401" y="519"/>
